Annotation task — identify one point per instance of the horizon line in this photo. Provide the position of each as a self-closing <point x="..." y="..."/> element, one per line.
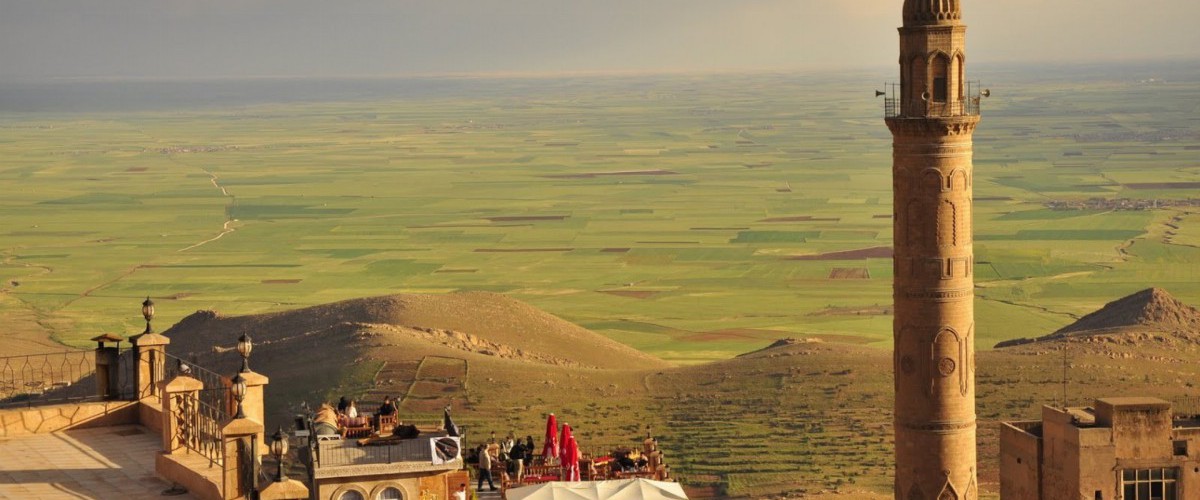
<point x="623" y="72"/>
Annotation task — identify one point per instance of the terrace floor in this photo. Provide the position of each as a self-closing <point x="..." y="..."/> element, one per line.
<point x="100" y="463"/>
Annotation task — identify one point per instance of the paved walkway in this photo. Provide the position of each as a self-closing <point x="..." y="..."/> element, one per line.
<point x="101" y="463"/>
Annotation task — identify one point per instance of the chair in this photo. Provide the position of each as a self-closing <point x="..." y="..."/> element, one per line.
<point x="357" y="427"/>
<point x="384" y="424"/>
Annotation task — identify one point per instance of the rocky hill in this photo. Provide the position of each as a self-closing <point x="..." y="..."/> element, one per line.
<point x="481" y="323"/>
<point x="1152" y="310"/>
<point x="1149" y="308"/>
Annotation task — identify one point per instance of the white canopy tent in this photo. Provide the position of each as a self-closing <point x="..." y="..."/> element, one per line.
<point x="617" y="489"/>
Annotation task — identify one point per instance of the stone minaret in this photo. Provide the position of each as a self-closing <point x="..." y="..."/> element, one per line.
<point x="932" y="117"/>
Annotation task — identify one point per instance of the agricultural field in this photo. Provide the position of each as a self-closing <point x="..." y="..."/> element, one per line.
<point x="693" y="217"/>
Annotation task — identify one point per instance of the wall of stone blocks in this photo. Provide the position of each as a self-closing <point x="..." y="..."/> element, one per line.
<point x="56" y="418"/>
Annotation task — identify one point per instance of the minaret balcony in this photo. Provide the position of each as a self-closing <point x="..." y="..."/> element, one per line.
<point x="894" y="106"/>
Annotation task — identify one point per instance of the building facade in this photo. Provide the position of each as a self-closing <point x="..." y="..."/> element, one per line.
<point x="406" y="469"/>
<point x="1118" y="449"/>
<point x="932" y="117"/>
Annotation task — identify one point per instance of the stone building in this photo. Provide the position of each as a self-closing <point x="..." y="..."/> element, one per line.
<point x="1130" y="448"/>
<point x="407" y="469"/>
<point x="932" y="117"/>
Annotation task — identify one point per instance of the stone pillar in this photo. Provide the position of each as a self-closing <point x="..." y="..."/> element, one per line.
<point x="180" y="397"/>
<point x="108" y="383"/>
<point x="290" y="489"/>
<point x="149" y="349"/>
<point x="253" y="404"/>
<point x="240" y="453"/>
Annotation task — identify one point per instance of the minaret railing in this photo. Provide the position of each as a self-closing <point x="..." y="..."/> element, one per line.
<point x="895" y="107"/>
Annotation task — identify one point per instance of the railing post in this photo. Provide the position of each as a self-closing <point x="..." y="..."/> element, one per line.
<point x="107" y="371"/>
<point x="180" y="401"/>
<point x="253" y="405"/>
<point x="239" y="451"/>
<point x="149" y="351"/>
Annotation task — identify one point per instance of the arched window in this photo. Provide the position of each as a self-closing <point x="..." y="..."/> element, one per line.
<point x="390" y="493"/>
<point x="351" y="495"/>
<point x="941" y="78"/>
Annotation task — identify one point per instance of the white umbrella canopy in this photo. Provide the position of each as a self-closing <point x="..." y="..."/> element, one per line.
<point x="637" y="489"/>
<point x="618" y="489"/>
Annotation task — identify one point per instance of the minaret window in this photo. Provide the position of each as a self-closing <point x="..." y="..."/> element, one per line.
<point x="941" y="78"/>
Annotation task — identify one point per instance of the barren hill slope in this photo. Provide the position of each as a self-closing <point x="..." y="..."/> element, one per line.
<point x="1152" y="310"/>
<point x="479" y="322"/>
<point x="799" y="416"/>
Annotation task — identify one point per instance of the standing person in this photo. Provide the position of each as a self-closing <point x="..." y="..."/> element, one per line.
<point x="516" y="459"/>
<point x="342" y="405"/>
<point x="493" y="448"/>
<point x="461" y="492"/>
<point x="529" y="450"/>
<point x="351" y="410"/>
<point x="485" y="468"/>
<point x="506" y="447"/>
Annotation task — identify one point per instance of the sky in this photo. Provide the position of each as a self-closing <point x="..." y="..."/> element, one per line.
<point x="245" y="38"/>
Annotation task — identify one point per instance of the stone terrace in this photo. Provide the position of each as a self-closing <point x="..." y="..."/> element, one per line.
<point x="97" y="463"/>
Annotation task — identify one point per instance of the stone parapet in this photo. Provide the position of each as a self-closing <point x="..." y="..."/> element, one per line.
<point x="192" y="471"/>
<point x="150" y="351"/>
<point x="239" y="453"/>
<point x="56" y="418"/>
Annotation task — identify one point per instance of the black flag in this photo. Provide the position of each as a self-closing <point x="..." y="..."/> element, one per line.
<point x="448" y="424"/>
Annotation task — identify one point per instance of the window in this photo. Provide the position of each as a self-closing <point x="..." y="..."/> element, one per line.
<point x="1181" y="448"/>
<point x="1149" y="484"/>
<point x="390" y="493"/>
<point x="351" y="495"/>
<point x="941" y="78"/>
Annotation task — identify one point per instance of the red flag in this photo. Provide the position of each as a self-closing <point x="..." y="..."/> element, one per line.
<point x="550" y="449"/>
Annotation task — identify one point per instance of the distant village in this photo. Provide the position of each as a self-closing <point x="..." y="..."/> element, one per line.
<point x="1120" y="204"/>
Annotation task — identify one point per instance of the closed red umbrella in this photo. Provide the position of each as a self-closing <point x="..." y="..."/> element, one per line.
<point x="571" y="462"/>
<point x="563" y="438"/>
<point x="550" y="449"/>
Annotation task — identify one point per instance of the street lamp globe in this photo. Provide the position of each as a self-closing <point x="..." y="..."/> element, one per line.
<point x="279" y="448"/>
<point x="238" y="387"/>
<point x="148" y="313"/>
<point x="244" y="346"/>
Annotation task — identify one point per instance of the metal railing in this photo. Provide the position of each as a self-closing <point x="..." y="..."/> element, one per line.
<point x="928" y="109"/>
<point x="216" y="387"/>
<point x="47" y="378"/>
<point x="198" y="427"/>
<point x="344" y="452"/>
<point x="968" y="104"/>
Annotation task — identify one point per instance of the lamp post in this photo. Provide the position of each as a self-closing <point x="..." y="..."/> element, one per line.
<point x="239" y="394"/>
<point x="279" y="448"/>
<point x="148" y="313"/>
<point x="244" y="346"/>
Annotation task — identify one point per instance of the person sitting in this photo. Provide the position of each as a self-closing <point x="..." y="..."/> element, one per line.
<point x="326" y="421"/>
<point x="387" y="408"/>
